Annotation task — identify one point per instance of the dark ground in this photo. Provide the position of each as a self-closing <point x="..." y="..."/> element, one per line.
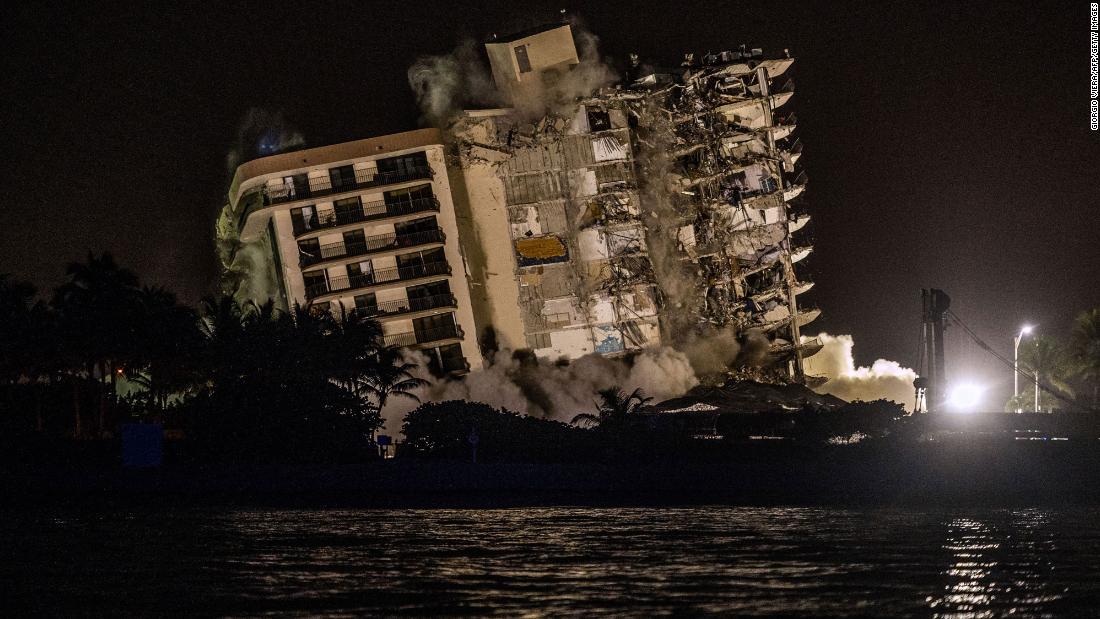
<point x="963" y="472"/>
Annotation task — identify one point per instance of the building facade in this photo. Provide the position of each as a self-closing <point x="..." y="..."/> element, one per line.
<point x="655" y="212"/>
<point x="581" y="219"/>
<point x="367" y="228"/>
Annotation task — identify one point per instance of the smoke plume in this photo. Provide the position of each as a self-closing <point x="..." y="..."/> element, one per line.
<point x="883" y="380"/>
<point x="446" y="84"/>
<point x="259" y="134"/>
<point x="552" y="390"/>
<point x="248" y="273"/>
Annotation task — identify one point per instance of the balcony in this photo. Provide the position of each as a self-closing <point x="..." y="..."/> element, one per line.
<point x="405" y="306"/>
<point x="369" y="211"/>
<point x="378" y="278"/>
<point x="371" y="245"/>
<point x="425" y="336"/>
<point x="324" y="186"/>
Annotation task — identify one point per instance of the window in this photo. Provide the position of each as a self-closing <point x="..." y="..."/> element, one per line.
<point x="315" y="283"/>
<point x="406" y="196"/>
<point x="366" y="304"/>
<point x="430" y="328"/>
<point x="303" y="219"/>
<point x="347" y="207"/>
<point x="342" y="177"/>
<point x="355" y="241"/>
<point x="417" y="225"/>
<point x="309" y="250"/>
<point x="538" y="340"/>
<point x="425" y="291"/>
<point x="404" y="165"/>
<point x="421" y="258"/>
<point x="360" y="273"/>
<point x="446" y="359"/>
<point x="522" y="60"/>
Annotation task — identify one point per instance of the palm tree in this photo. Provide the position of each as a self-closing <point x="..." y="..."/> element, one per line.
<point x="16" y="299"/>
<point x="392" y="376"/>
<point x="97" y="308"/>
<point x="168" y="338"/>
<point x="1084" y="349"/>
<point x="613" y="408"/>
<point x="1045" y="358"/>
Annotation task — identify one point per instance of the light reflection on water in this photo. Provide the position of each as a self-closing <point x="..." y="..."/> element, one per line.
<point x="558" y="561"/>
<point x="1000" y="565"/>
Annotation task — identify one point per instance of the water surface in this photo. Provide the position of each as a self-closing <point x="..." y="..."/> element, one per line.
<point x="556" y="561"/>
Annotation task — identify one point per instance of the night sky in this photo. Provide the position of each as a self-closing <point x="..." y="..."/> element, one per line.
<point x="947" y="144"/>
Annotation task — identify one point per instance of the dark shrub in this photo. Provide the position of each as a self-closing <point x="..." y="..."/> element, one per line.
<point x="442" y="430"/>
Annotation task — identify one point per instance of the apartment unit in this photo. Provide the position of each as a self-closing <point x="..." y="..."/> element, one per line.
<point x="368" y="228"/>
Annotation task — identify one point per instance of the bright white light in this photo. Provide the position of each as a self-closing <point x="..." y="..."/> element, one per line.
<point x="1026" y="330"/>
<point x="965" y="397"/>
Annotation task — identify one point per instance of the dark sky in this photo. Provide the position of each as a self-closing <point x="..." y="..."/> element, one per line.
<point x="947" y="143"/>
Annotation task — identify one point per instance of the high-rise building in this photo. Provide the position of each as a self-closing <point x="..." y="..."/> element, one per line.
<point x="583" y="218"/>
<point x="655" y="212"/>
<point x="364" y="227"/>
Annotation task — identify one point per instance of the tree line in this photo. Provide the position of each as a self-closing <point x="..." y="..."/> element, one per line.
<point x="1067" y="370"/>
<point x="242" y="379"/>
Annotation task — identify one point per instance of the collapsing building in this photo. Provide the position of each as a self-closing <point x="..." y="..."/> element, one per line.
<point x="582" y="218"/>
<point x="656" y="212"/>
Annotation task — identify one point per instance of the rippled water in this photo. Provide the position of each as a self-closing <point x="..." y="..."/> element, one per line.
<point x="557" y="561"/>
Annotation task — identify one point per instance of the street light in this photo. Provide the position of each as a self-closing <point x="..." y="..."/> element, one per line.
<point x="1025" y="330"/>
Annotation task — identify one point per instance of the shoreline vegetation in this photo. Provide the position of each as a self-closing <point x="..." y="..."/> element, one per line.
<point x="249" y="404"/>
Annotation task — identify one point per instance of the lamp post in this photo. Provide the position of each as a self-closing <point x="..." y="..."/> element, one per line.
<point x="1016" y="366"/>
<point x="1037" y="409"/>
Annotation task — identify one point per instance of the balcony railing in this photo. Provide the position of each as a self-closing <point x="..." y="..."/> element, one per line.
<point x="324" y="186"/>
<point x="377" y="278"/>
<point x="424" y="336"/>
<point x="372" y="244"/>
<point x="405" y="306"/>
<point x="368" y="211"/>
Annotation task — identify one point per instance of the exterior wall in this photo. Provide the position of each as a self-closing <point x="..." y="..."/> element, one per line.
<point x="551" y="49"/>
<point x="278" y="218"/>
<point x="483" y="217"/>
<point x="556" y="215"/>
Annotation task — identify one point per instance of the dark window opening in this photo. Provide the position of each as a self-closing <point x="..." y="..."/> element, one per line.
<point x="446" y="359"/>
<point x="598" y="120"/>
<point x="437" y="327"/>
<point x="304" y="218"/>
<point x="342" y="177"/>
<point x="416" y="225"/>
<point x="366" y="304"/>
<point x="424" y="291"/>
<point x="355" y="240"/>
<point x="522" y="60"/>
<point x="421" y="258"/>
<point x="309" y="249"/>
<point x="407" y="196"/>
<point x="406" y="164"/>
<point x="347" y="207"/>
